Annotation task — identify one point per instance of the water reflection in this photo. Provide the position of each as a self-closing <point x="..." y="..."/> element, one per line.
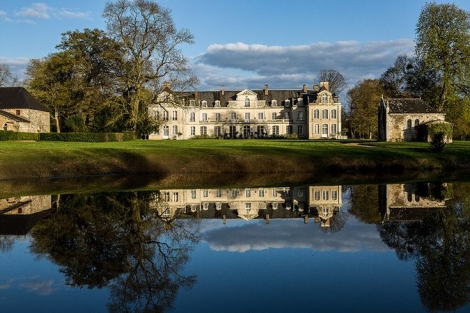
<point x="137" y="244"/>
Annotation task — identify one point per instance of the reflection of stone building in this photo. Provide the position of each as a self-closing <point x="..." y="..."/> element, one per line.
<point x="319" y="202"/>
<point x="327" y="201"/>
<point x="409" y="202"/>
<point x="19" y="214"/>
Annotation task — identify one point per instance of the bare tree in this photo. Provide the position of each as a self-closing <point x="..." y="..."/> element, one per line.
<point x="151" y="42"/>
<point x="6" y="77"/>
<point x="335" y="79"/>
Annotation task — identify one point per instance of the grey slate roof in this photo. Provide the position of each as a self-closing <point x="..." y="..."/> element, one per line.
<point x="13" y="117"/>
<point x="409" y="105"/>
<point x="230" y="95"/>
<point x="19" y="98"/>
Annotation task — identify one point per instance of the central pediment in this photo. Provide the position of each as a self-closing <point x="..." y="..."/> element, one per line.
<point x="246" y="92"/>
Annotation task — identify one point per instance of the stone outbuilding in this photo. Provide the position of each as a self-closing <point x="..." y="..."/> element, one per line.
<point x="21" y="112"/>
<point x="410" y="119"/>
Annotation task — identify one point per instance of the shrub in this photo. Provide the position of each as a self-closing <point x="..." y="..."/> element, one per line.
<point x="11" y="135"/>
<point x="437" y="143"/>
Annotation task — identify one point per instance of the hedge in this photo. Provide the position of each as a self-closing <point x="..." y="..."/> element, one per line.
<point x="77" y="137"/>
<point x="6" y="135"/>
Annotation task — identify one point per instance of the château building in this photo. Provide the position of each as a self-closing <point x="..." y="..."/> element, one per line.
<point x="305" y="113"/>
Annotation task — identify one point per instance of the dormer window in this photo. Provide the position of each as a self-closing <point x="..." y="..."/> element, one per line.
<point x="217" y="104"/>
<point x="204" y="104"/>
<point x="192" y="102"/>
<point x="287" y="103"/>
<point x="324" y="98"/>
<point x="247" y="102"/>
<point x="274" y="103"/>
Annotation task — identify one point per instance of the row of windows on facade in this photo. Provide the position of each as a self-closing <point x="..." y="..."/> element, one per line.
<point x="247" y="130"/>
<point x="324" y="99"/>
<point x="234" y="193"/>
<point x="325" y="114"/>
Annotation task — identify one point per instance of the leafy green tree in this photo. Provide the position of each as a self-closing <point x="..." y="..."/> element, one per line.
<point x="150" y="39"/>
<point x="364" y="99"/>
<point x="443" y="45"/>
<point x="50" y="81"/>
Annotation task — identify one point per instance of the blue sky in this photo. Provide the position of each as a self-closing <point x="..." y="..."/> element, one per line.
<point x="241" y="44"/>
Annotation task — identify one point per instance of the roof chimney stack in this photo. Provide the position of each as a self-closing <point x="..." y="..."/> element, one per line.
<point x="266" y="89"/>
<point x="304" y="88"/>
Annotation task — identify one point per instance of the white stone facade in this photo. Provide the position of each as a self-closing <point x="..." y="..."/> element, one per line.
<point x="314" y="114"/>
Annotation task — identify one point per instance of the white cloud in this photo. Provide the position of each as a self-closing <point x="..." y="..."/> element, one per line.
<point x="39" y="287"/>
<point x="256" y="235"/>
<point x="36" y="10"/>
<point x="4" y="16"/>
<point x="253" y="66"/>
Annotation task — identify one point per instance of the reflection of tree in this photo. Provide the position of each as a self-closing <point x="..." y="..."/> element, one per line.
<point x="337" y="222"/>
<point x="364" y="202"/>
<point x="119" y="240"/>
<point x="6" y="243"/>
<point x="439" y="243"/>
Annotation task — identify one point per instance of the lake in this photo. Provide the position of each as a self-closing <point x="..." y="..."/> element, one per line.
<point x="401" y="247"/>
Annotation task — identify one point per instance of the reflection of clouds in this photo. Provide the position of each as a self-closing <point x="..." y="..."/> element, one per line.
<point x="292" y="233"/>
<point x="4" y="286"/>
<point x="42" y="288"/>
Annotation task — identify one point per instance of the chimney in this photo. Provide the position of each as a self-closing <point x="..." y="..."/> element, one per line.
<point x="266" y="89"/>
<point x="326" y="85"/>
<point x="316" y="88"/>
<point x="222" y="90"/>
<point x="196" y="95"/>
<point x="304" y="88"/>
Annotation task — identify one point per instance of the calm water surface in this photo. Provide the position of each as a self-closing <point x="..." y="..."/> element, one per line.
<point x="382" y="248"/>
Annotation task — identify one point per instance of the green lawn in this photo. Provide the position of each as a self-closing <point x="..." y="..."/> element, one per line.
<point x="53" y="159"/>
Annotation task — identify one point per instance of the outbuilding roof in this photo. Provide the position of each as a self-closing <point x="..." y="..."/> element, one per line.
<point x="19" y="98"/>
<point x="409" y="105"/>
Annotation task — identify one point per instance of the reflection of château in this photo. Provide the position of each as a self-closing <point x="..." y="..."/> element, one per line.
<point x="408" y="202"/>
<point x="319" y="202"/>
<point x="19" y="214"/>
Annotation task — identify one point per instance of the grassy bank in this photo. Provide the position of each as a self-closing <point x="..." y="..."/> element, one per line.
<point x="232" y="158"/>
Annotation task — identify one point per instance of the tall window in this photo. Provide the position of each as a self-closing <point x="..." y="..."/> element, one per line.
<point x="416" y="122"/>
<point x="193" y="194"/>
<point x="246" y="131"/>
<point x="247" y="117"/>
<point x="317" y="195"/>
<point x="175" y="130"/>
<point x="408" y="124"/>
<point x="261" y="193"/>
<point x="204" y="116"/>
<point x="247" y="102"/>
<point x="325" y="195"/>
<point x="316" y="129"/>
<point x="247" y="192"/>
<point x="193" y="130"/>
<point x="275" y="130"/>
<point x="217" y="117"/>
<point x="334" y="195"/>
<point x="333" y="114"/>
<point x="192" y="117"/>
<point x="300" y="116"/>
<point x="232" y="131"/>
<point x="289" y="129"/>
<point x="324" y="130"/>
<point x="287" y="115"/>
<point x="174" y="116"/>
<point x="300" y="130"/>
<point x="165" y="115"/>
<point x="217" y="131"/>
<point x="273" y="115"/>
<point x="316" y="114"/>
<point x="324" y="113"/>
<point x="175" y="197"/>
<point x="333" y="129"/>
<point x="261" y="116"/>
<point x="233" y="116"/>
<point x="166" y="131"/>
<point x="218" y="193"/>
<point x="260" y="130"/>
<point x="203" y="130"/>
